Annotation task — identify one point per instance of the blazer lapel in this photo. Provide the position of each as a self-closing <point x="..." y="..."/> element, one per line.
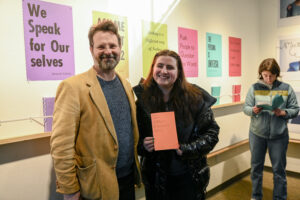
<point x="99" y="100"/>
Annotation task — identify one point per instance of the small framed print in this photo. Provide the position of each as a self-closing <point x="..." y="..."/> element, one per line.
<point x="289" y="12"/>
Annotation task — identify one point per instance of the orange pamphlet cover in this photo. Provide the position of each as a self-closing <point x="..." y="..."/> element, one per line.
<point x="164" y="131"/>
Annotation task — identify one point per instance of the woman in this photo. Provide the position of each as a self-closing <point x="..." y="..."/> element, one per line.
<point x="182" y="173"/>
<point x="268" y="129"/>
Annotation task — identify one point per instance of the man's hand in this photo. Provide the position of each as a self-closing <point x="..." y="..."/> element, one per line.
<point x="75" y="196"/>
<point x="149" y="143"/>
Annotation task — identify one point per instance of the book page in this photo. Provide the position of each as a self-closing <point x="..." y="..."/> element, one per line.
<point x="276" y="102"/>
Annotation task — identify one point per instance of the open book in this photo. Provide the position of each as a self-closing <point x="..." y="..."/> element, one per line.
<point x="276" y="102"/>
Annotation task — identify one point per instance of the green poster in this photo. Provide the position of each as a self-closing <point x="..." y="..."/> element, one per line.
<point x="213" y="55"/>
<point x="154" y="40"/>
<point x="216" y="92"/>
<point x="121" y="23"/>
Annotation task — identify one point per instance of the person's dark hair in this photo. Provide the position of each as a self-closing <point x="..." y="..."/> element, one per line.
<point x="184" y="97"/>
<point x="270" y="65"/>
<point x="105" y="26"/>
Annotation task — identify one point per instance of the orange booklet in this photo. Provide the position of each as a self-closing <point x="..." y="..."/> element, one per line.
<point x="164" y="131"/>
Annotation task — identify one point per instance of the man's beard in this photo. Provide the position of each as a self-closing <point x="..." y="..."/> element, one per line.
<point x="108" y="62"/>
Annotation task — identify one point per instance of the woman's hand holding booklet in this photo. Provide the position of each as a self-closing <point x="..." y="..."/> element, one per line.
<point x="276" y="102"/>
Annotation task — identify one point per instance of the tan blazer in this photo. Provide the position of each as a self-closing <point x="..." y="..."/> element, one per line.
<point x="84" y="144"/>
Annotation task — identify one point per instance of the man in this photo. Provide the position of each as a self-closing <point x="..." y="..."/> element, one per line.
<point x="95" y="134"/>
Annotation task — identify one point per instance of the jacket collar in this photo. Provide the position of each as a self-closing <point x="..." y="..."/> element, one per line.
<point x="99" y="100"/>
<point x="275" y="84"/>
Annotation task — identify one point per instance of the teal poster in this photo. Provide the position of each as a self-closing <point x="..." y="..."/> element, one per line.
<point x="213" y="55"/>
<point x="216" y="92"/>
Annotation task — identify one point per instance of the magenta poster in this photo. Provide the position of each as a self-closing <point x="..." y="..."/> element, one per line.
<point x="48" y="36"/>
<point x="188" y="51"/>
<point x="236" y="93"/>
<point x="234" y="56"/>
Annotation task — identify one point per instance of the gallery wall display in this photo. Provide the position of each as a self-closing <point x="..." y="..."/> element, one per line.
<point x="216" y="92"/>
<point x="289" y="12"/>
<point x="188" y="51"/>
<point x="213" y="55"/>
<point x="236" y="93"/>
<point x="48" y="107"/>
<point x="48" y="36"/>
<point x="49" y="52"/>
<point x="235" y="56"/>
<point x="289" y="57"/>
<point x="289" y="8"/>
<point x="155" y="38"/>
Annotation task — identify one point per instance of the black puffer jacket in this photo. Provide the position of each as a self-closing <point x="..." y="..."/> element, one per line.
<point x="197" y="140"/>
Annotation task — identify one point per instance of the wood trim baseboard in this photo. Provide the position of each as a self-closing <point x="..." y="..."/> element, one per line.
<point x="225" y="153"/>
<point x="228" y="105"/>
<point x="25" y="138"/>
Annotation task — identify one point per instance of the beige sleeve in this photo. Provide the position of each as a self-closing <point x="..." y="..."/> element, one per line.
<point x="66" y="118"/>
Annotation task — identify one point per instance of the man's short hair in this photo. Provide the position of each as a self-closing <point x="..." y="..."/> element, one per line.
<point x="105" y="26"/>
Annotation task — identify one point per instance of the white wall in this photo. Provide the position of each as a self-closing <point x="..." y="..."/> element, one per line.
<point x="26" y="171"/>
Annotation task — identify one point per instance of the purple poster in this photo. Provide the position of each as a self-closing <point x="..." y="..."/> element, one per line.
<point x="48" y="107"/>
<point x="48" y="36"/>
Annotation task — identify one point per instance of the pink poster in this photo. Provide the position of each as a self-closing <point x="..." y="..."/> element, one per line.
<point x="188" y="51"/>
<point x="236" y="93"/>
<point x="234" y="56"/>
<point x="48" y="36"/>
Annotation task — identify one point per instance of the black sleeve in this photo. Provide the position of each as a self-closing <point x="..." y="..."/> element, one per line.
<point x="143" y="129"/>
<point x="204" y="136"/>
<point x="142" y="121"/>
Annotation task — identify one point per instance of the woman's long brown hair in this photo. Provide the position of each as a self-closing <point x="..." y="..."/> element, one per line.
<point x="184" y="97"/>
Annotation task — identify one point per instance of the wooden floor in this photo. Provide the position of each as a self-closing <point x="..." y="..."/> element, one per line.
<point x="241" y="188"/>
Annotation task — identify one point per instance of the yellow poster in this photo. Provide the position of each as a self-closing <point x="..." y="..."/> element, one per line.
<point x="121" y="23"/>
<point x="154" y="40"/>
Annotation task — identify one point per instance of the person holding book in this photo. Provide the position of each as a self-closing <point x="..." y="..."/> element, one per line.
<point x="180" y="173"/>
<point x="268" y="127"/>
<point x="95" y="133"/>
